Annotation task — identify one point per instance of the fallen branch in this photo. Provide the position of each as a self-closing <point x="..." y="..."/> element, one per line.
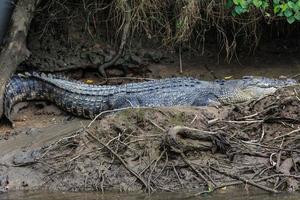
<point x="122" y="161"/>
<point x="284" y="135"/>
<point x="109" y="111"/>
<point x="250" y="182"/>
<point x="210" y="183"/>
<point x="15" y="51"/>
<point x="218" y="187"/>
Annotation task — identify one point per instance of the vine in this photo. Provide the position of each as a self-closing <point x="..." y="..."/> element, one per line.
<point x="290" y="9"/>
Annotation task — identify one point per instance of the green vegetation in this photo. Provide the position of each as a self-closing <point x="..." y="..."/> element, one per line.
<point x="194" y="24"/>
<point x="281" y="8"/>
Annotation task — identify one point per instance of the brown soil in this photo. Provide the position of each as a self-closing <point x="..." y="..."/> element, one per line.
<point x="158" y="149"/>
<point x="154" y="149"/>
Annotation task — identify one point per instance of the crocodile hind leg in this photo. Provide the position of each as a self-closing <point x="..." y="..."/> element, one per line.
<point x="206" y="100"/>
<point x="124" y="102"/>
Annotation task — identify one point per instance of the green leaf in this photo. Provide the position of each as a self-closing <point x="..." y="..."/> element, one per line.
<point x="283" y="7"/>
<point x="229" y="4"/>
<point x="234" y="13"/>
<point x="257" y="3"/>
<point x="297" y="16"/>
<point x="291" y="19"/>
<point x="276" y="1"/>
<point x="288" y="13"/>
<point x="296" y="7"/>
<point x="265" y="4"/>
<point x="244" y="4"/>
<point x="291" y="4"/>
<point x="236" y="2"/>
<point x="239" y="10"/>
<point x="179" y="24"/>
<point x="276" y="9"/>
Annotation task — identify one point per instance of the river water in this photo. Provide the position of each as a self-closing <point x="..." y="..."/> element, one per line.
<point x="233" y="194"/>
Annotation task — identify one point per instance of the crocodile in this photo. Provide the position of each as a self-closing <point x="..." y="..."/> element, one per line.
<point x="86" y="100"/>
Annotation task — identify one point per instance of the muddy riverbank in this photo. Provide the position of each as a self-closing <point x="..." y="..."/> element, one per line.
<point x="156" y="149"/>
<point x="198" y="150"/>
<point x="239" y="193"/>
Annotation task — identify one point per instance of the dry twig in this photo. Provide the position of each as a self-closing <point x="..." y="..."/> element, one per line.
<point x="126" y="29"/>
<point x="246" y="181"/>
<point x="121" y="160"/>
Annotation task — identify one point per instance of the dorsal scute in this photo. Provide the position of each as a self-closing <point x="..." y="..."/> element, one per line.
<point x="79" y="87"/>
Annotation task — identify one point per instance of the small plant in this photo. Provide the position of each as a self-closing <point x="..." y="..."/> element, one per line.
<point x="290" y="9"/>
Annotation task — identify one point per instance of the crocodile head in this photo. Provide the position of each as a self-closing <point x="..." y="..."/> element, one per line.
<point x="250" y="88"/>
<point x="265" y="82"/>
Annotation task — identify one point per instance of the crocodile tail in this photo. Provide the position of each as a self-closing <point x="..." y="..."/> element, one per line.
<point x="10" y="94"/>
<point x="59" y="81"/>
<point x="44" y="76"/>
<point x="73" y="86"/>
<point x="21" y="87"/>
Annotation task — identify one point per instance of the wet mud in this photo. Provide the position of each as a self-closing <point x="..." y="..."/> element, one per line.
<point x="199" y="150"/>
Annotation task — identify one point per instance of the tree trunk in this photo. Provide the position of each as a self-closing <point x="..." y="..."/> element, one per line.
<point x="15" y="51"/>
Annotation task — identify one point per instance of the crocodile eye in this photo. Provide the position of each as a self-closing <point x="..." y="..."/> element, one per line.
<point x="247" y="77"/>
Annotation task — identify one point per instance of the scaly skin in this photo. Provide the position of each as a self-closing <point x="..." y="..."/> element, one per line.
<point x="89" y="100"/>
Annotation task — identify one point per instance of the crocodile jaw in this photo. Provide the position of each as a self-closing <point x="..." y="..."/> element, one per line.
<point x="258" y="92"/>
<point x="248" y="94"/>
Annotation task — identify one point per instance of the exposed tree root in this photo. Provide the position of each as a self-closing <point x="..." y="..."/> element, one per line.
<point x="159" y="149"/>
<point x="181" y="139"/>
<point x="126" y="29"/>
<point x="285" y="168"/>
